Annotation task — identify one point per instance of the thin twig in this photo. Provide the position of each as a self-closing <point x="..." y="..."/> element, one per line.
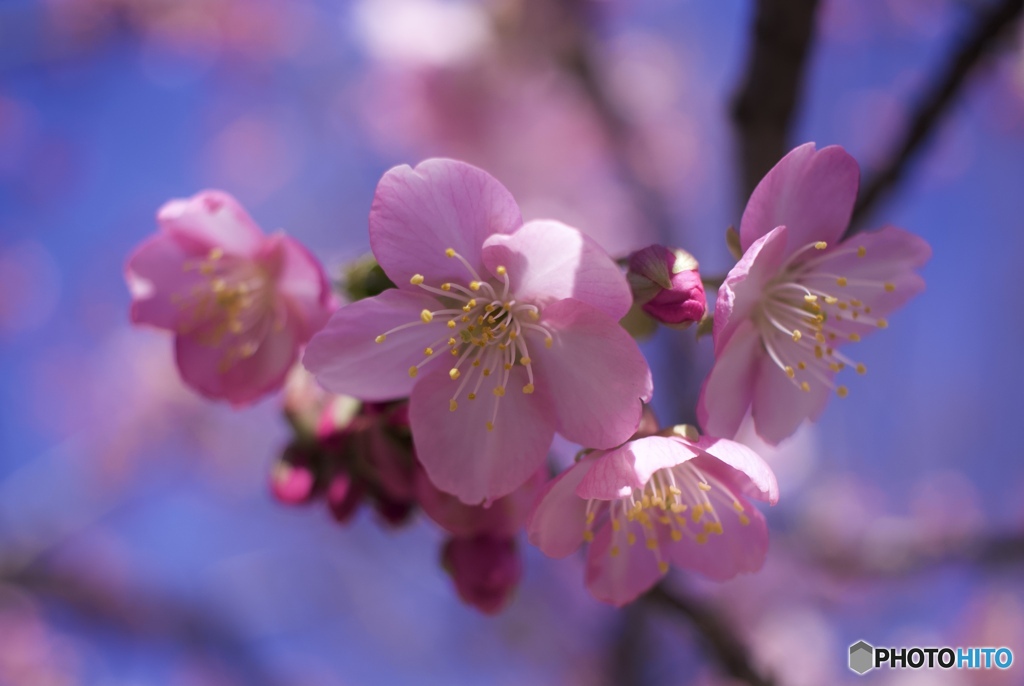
<point x="935" y="103"/>
<point x="713" y="629"/>
<point x="764" y="106"/>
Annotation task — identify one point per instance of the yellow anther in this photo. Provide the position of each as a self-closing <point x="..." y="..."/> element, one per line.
<point x="797" y="335"/>
<point x="548" y="342"/>
<point x="588" y="536"/>
<point x="698" y="512"/>
<point x="631" y="538"/>
<point x="835" y="366"/>
<point x="464" y="319"/>
<point x="841" y="281"/>
<point x="533" y="315"/>
<point x="856" y="303"/>
<point x="676" y="535"/>
<point x="675" y="490"/>
<point x="805" y="387"/>
<point x="416" y="279"/>
<point x="451" y="341"/>
<point x="890" y="287"/>
<point x="867" y="310"/>
<point x="652" y="543"/>
<point x="703" y="486"/>
<point x="413" y="371"/>
<point x="801" y="365"/>
<point x="843" y="306"/>
<point x="446" y="287"/>
<point x="490" y="426"/>
<point x="702" y="539"/>
<point x="882" y="324"/>
<point x="500" y="271"/>
<point x="528" y="388"/>
<point x="513" y="335"/>
<point x="451" y="324"/>
<point x="474" y="285"/>
<point x="862" y="251"/>
<point x="820" y="245"/>
<point x="452" y="405"/>
<point x="789" y="371"/>
<point x="471" y="396"/>
<point x="450" y="252"/>
<point x="380" y="339"/>
<point x="487" y="372"/>
<point x="831" y="300"/>
<point x="476" y="363"/>
<point x="818" y="352"/>
<point x="663" y="567"/>
<point x="861" y="369"/>
<point x="508" y="366"/>
<point x="616" y="525"/>
<point x="842" y="391"/>
<point x="614" y="552"/>
<point x="854" y="337"/>
<point x="525" y="361"/>
<point x="811" y="298"/>
<point x="455" y="352"/>
<point x="428" y="351"/>
<point x="713" y="528"/>
<point x="677" y="508"/>
<point x="454" y="374"/>
<point x="499" y="391"/>
<point x="736" y="505"/>
<point x="744" y="520"/>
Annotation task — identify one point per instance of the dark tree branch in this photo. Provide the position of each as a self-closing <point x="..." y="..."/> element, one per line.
<point x="935" y="103"/>
<point x="139" y="614"/>
<point x="763" y="107"/>
<point x="721" y="639"/>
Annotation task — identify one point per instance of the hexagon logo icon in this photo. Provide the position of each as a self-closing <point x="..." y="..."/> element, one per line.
<point x="862" y="657"/>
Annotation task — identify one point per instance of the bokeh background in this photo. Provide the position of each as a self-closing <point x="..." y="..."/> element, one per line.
<point x="138" y="543"/>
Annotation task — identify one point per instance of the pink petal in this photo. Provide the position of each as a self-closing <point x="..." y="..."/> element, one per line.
<point x="809" y="191"/>
<point x="346" y="359"/>
<point x="557" y="522"/>
<point x="419" y="213"/>
<point x="728" y="390"/>
<point x="595" y="374"/>
<point x="621" y="579"/>
<point x="460" y="455"/>
<point x="549" y="261"/>
<point x="501" y="519"/>
<point x="745" y="284"/>
<point x="739" y="548"/>
<point x="616" y="473"/>
<point x="779" y="406"/>
<point x="247" y="379"/>
<point x="211" y="219"/>
<point x="752" y="474"/>
<point x="300" y="279"/>
<point x="156" y="277"/>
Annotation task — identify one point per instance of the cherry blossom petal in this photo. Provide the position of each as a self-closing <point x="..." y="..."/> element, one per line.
<point x="549" y="261"/>
<point x="157" y="278"/>
<point x="779" y="406"/>
<point x="417" y="214"/>
<point x="557" y="522"/>
<point x="616" y="473"/>
<point x="211" y="219"/>
<point x="596" y="374"/>
<point x="346" y="359"/>
<point x="743" y="286"/>
<point x="809" y="191"/>
<point x="620" y="579"/>
<point x="461" y="456"/>
<point x="728" y="389"/>
<point x="204" y="366"/>
<point x="748" y="469"/>
<point x="300" y="280"/>
<point x="739" y="548"/>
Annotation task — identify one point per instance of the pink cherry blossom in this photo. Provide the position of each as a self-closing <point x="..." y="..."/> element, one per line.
<point x="502" y="332"/>
<point x="799" y="294"/>
<point x="674" y="499"/>
<point x="240" y="303"/>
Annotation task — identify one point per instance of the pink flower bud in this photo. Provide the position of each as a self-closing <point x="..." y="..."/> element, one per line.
<point x="344" y="496"/>
<point x="485" y="570"/>
<point x="666" y="283"/>
<point x="292" y="480"/>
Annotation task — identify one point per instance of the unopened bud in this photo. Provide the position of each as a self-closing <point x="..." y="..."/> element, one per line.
<point x="292" y="479"/>
<point x="344" y="496"/>
<point x="666" y="283"/>
<point x="485" y="570"/>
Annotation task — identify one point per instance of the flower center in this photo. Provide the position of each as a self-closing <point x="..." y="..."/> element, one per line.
<point x="808" y="311"/>
<point x="682" y="501"/>
<point x="229" y="307"/>
<point x="486" y="327"/>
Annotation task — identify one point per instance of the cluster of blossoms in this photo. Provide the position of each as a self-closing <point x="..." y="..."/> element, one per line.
<point x="443" y="392"/>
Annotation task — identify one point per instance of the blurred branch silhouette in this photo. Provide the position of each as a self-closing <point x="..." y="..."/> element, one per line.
<point x="715" y="632"/>
<point x="765" y="103"/>
<point x="141" y="614"/>
<point x="935" y="102"/>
